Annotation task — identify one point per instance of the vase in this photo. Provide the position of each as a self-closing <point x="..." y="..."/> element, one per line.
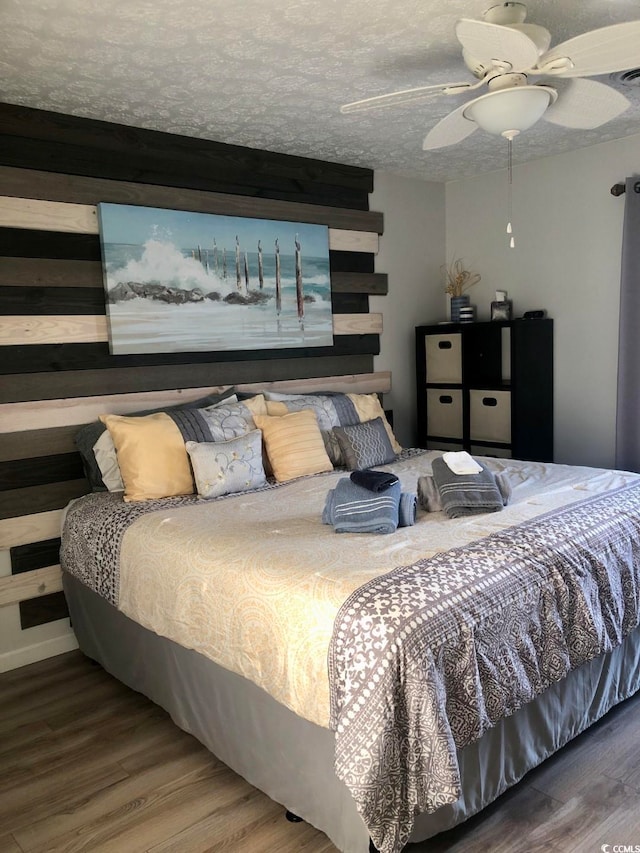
<point x="458" y="302"/>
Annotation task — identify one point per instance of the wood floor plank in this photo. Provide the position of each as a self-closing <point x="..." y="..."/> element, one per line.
<point x="85" y="811"/>
<point x="574" y="821"/>
<point x="8" y="845"/>
<point x="162" y="812"/>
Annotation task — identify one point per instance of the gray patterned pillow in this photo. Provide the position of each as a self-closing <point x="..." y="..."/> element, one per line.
<point x="221" y="468"/>
<point x="364" y="445"/>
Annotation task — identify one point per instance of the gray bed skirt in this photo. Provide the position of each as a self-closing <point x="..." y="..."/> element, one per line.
<point x="291" y="759"/>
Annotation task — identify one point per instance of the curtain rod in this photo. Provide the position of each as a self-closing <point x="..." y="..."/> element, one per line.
<point x="618" y="189"/>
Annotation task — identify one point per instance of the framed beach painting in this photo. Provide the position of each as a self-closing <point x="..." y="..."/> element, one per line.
<point x="177" y="281"/>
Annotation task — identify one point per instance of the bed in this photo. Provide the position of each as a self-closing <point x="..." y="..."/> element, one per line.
<point x="382" y="688"/>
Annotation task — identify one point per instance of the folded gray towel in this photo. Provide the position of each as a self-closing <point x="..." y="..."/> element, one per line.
<point x="463" y="495"/>
<point x="354" y="509"/>
<point x="429" y="496"/>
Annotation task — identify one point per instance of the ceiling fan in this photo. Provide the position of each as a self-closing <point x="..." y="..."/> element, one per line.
<point x="503" y="52"/>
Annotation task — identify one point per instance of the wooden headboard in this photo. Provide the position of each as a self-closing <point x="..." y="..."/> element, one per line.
<point x="56" y="369"/>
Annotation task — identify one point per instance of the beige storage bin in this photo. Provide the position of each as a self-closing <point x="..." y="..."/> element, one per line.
<point x="444" y="412"/>
<point x="490" y="416"/>
<point x="497" y="452"/>
<point x="444" y="358"/>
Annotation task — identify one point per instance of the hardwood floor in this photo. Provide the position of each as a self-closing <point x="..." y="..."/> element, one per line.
<point x="88" y="765"/>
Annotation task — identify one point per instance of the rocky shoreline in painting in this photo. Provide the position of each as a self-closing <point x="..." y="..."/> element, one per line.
<point x="126" y="291"/>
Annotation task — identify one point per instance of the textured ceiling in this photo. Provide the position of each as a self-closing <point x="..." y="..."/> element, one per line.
<point x="273" y="75"/>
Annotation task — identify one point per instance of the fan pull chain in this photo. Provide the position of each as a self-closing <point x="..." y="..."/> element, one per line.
<point x="512" y="241"/>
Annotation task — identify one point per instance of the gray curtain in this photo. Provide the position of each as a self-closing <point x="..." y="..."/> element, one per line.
<point x="628" y="406"/>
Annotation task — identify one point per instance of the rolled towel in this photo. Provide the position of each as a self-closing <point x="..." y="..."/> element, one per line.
<point x="428" y="494"/>
<point x="375" y="481"/>
<point x="505" y="487"/>
<point x="354" y="509"/>
<point x="466" y="494"/>
<point x="407" y="509"/>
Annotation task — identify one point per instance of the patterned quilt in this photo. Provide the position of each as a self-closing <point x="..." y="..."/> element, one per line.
<point x="424" y="659"/>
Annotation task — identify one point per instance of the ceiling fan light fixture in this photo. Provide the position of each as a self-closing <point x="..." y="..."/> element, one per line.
<point x="510" y="109"/>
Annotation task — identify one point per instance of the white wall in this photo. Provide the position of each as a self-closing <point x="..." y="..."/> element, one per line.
<point x="568" y="231"/>
<point x="412" y="250"/>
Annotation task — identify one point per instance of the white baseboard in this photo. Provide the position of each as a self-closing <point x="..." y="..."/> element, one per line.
<point x="37" y="651"/>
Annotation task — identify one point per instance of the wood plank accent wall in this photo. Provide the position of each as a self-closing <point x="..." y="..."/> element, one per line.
<point x="56" y="371"/>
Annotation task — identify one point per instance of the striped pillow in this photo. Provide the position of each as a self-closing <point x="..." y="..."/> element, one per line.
<point x="294" y="444"/>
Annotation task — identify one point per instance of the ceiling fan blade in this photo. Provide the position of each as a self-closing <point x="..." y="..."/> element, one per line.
<point x="451" y="129"/>
<point x="494" y="44"/>
<point x="586" y="104"/>
<point x="406" y="96"/>
<point x="602" y="51"/>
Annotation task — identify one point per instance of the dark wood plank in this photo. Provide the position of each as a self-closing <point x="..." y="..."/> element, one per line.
<point x="375" y="283"/>
<point x="31" y="183"/>
<point x="37" y="272"/>
<point x="32" y="443"/>
<point x="50" y="272"/>
<point x="31" y="301"/>
<point x="35" y="555"/>
<point x="40" y="611"/>
<point x="40" y="358"/>
<point x="35" y="499"/>
<point x="351" y="262"/>
<point x="61" y="301"/>
<point x="221" y="173"/>
<point x="350" y="303"/>
<point x="27" y="243"/>
<point x="40" y="471"/>
<point x="84" y="383"/>
<point x="50" y="127"/>
<point x="37" y="442"/>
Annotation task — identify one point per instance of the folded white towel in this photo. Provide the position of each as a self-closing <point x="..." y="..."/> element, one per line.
<point x="461" y="462"/>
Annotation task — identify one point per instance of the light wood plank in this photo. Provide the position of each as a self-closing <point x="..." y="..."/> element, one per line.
<point x="83" y="219"/>
<point x="32" y="183"/>
<point x="357" y="324"/>
<point x="53" y="329"/>
<point x="27" y="585"/>
<point x="48" y="215"/>
<point x="26" y="529"/>
<point x="353" y="241"/>
<point x="16" y="417"/>
<point x="91" y="328"/>
<point x="363" y="383"/>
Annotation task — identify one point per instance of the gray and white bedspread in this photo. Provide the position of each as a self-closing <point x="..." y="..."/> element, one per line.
<point x="428" y="656"/>
<point x="94" y="527"/>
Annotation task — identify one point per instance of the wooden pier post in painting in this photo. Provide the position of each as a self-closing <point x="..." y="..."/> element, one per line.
<point x="299" y="288"/>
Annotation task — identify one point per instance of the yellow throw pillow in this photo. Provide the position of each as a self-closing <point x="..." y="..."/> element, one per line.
<point x="276" y="409"/>
<point x="152" y="457"/>
<point x="368" y="408"/>
<point x="294" y="444"/>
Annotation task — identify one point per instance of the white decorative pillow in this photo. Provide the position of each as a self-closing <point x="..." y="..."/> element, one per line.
<point x="221" y="468"/>
<point x="227" y="421"/>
